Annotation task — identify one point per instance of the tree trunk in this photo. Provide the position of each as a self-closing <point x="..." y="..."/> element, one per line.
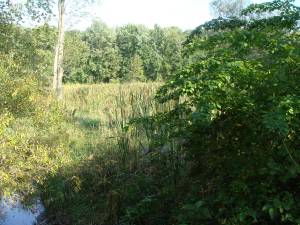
<point x="55" y="68"/>
<point x="59" y="52"/>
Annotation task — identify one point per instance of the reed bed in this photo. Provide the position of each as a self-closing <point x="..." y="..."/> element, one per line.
<point x="112" y="158"/>
<point x="100" y="114"/>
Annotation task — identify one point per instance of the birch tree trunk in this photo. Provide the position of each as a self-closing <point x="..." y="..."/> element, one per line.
<point x="59" y="52"/>
<point x="55" y="68"/>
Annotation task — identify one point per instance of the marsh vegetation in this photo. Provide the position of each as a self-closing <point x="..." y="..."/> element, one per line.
<point x="153" y="126"/>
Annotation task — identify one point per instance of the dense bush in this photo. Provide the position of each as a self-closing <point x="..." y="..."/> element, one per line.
<point x="30" y="136"/>
<point x="31" y="146"/>
<point x="239" y="111"/>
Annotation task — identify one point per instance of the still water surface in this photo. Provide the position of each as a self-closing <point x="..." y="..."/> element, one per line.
<point x="12" y="212"/>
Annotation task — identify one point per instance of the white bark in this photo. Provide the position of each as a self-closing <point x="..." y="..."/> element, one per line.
<point x="59" y="52"/>
<point x="55" y="68"/>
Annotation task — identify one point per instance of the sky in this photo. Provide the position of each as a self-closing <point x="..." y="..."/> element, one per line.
<point x="186" y="14"/>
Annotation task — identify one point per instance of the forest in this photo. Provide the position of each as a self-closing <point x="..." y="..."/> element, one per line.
<point x="138" y="125"/>
<point x="103" y="54"/>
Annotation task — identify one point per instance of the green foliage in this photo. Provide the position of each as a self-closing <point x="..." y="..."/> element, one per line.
<point x="109" y="172"/>
<point x="228" y="8"/>
<point x="28" y="121"/>
<point x="130" y="39"/>
<point x="75" y="58"/>
<point x="136" y="69"/>
<point x="238" y="106"/>
<point x="222" y="149"/>
<point x="42" y="43"/>
<point x="27" y="51"/>
<point x="162" y="52"/>
<point x="15" y="12"/>
<point x="104" y="59"/>
<point x="131" y="52"/>
<point x="220" y="146"/>
<point x="31" y="143"/>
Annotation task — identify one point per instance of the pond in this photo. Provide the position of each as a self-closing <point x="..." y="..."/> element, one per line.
<point x="12" y="212"/>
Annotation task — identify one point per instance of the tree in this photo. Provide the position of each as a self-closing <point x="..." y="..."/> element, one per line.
<point x="43" y="40"/>
<point x="104" y="57"/>
<point x="136" y="69"/>
<point x="153" y="53"/>
<point x="228" y="8"/>
<point x="130" y="39"/>
<point x="27" y="114"/>
<point x="173" y="58"/>
<point x="29" y="48"/>
<point x="76" y="58"/>
<point x="59" y="49"/>
<point x="13" y="12"/>
<point x="161" y="52"/>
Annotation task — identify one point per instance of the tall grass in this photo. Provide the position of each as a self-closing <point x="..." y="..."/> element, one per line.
<point x="99" y="115"/>
<point x="115" y="164"/>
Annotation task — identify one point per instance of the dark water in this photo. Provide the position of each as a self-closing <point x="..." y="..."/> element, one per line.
<point x="12" y="212"/>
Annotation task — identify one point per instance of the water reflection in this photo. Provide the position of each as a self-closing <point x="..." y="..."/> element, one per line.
<point x="12" y="212"/>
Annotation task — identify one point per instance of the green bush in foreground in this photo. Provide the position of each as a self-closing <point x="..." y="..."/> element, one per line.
<point x="30" y="142"/>
<point x="241" y="115"/>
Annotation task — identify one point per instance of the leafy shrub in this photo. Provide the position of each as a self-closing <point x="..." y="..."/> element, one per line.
<point x="239" y="110"/>
<point x="30" y="145"/>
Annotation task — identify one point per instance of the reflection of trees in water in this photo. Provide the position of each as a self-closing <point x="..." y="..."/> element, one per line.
<point x="2" y="214"/>
<point x="2" y="210"/>
<point x="12" y="211"/>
